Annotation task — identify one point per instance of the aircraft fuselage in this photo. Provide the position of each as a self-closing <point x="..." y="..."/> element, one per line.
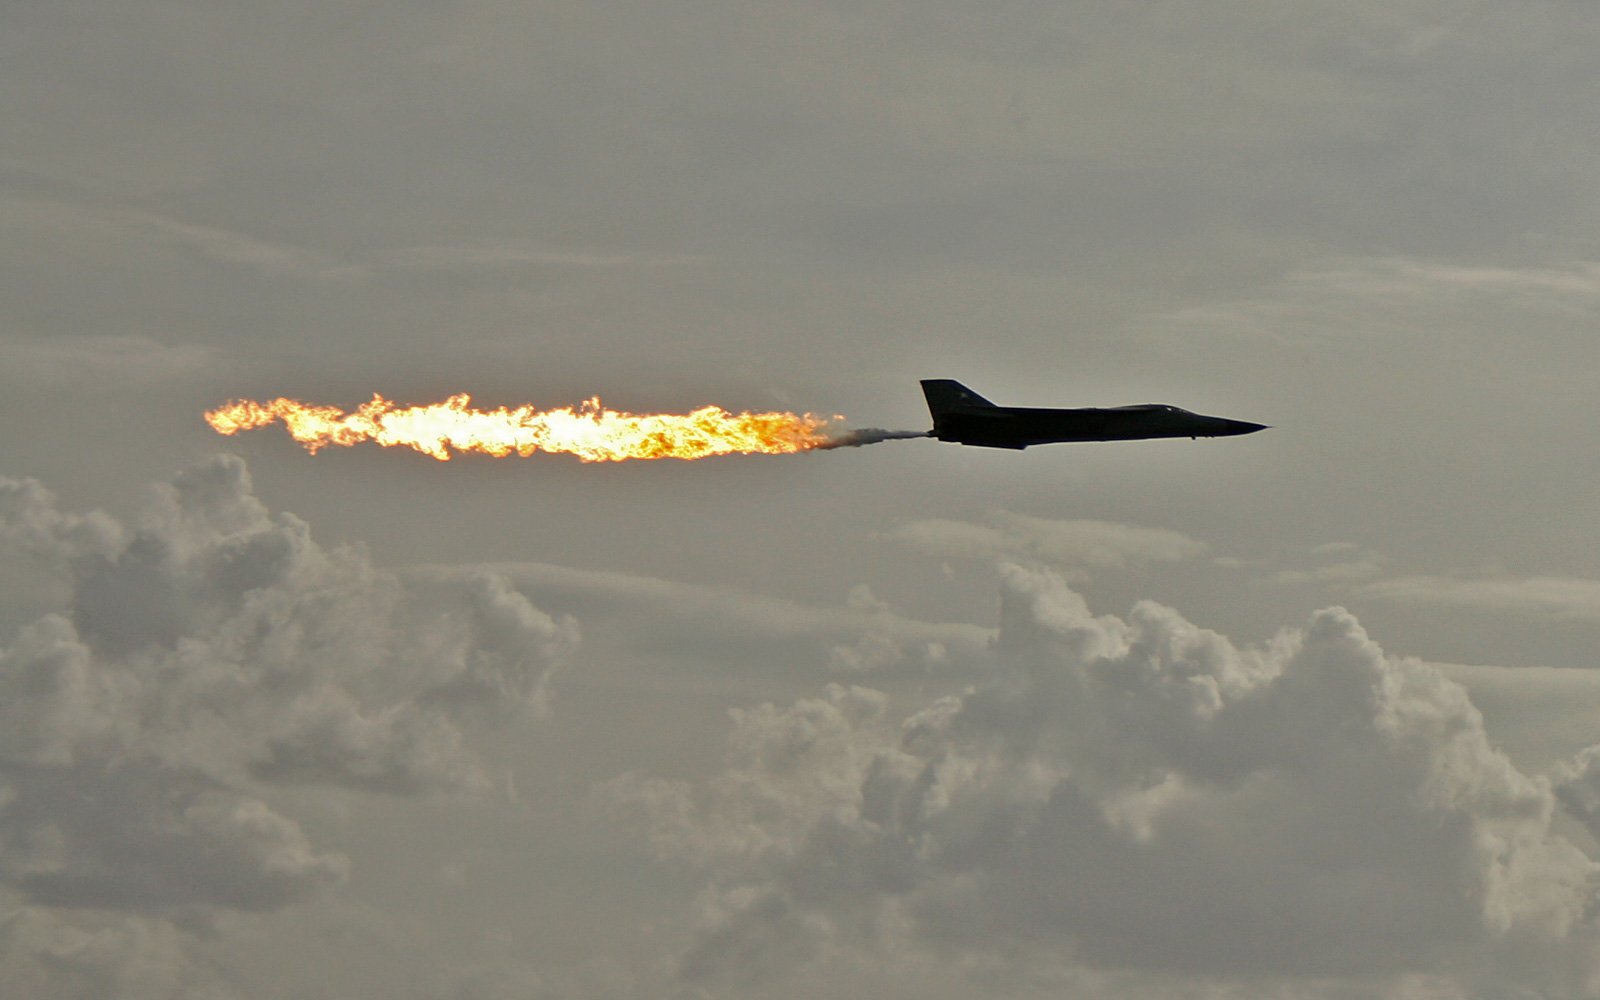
<point x="964" y="417"/>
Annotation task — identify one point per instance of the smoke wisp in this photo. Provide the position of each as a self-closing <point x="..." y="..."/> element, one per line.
<point x="869" y="435"/>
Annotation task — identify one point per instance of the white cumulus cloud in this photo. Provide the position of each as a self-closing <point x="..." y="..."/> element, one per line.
<point x="197" y="657"/>
<point x="1147" y="797"/>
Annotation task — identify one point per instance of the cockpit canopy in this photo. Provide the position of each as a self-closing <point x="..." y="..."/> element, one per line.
<point x="1152" y="408"/>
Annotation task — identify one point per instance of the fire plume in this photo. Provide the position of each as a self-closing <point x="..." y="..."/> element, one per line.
<point x="589" y="431"/>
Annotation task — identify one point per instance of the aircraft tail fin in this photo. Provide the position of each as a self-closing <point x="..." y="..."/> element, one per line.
<point x="945" y="395"/>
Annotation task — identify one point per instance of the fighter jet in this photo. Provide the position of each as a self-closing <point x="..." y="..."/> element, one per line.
<point x="963" y="416"/>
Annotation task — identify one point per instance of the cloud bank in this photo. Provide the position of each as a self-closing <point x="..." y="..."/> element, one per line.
<point x="1118" y="806"/>
<point x="202" y="655"/>
<point x="1148" y="798"/>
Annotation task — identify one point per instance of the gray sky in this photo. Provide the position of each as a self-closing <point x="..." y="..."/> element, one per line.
<point x="905" y="720"/>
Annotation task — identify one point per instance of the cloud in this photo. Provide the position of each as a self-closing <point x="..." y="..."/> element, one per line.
<point x="247" y="252"/>
<point x="99" y="223"/>
<point x="1344" y="563"/>
<point x="1540" y="716"/>
<point x="31" y="524"/>
<point x="223" y="245"/>
<point x="658" y="617"/>
<point x="1390" y="296"/>
<point x="243" y="645"/>
<point x="129" y="359"/>
<point x="89" y="958"/>
<point x="1335" y="573"/>
<point x="1545" y="598"/>
<point x="514" y="253"/>
<point x="1145" y="796"/>
<point x="1075" y="543"/>
<point x="240" y="249"/>
<point x="146" y="837"/>
<point x="1334" y="548"/>
<point x="1358" y="572"/>
<point x="215" y="644"/>
<point x="197" y="657"/>
<point x="886" y="642"/>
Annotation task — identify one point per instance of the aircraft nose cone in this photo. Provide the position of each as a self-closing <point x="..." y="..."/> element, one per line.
<point x="1232" y="427"/>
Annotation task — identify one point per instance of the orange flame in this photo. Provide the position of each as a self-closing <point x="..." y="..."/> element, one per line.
<point x="592" y="433"/>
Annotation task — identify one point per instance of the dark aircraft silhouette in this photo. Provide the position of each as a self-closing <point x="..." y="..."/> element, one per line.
<point x="963" y="416"/>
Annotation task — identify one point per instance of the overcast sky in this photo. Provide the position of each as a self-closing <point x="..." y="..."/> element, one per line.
<point x="1312" y="713"/>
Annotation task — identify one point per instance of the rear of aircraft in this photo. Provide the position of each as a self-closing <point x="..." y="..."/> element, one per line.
<point x="961" y="415"/>
<point x="946" y="395"/>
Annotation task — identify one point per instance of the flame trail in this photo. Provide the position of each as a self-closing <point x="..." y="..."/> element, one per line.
<point x="589" y="431"/>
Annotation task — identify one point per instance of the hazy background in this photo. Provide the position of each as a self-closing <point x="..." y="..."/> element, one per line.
<point x="368" y="724"/>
